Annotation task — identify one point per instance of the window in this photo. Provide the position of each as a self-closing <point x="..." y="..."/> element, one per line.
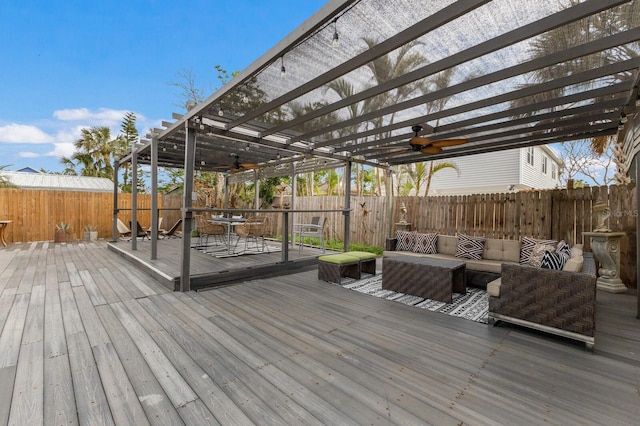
<point x="530" y="155"/>
<point x="554" y="171"/>
<point x="544" y="164"/>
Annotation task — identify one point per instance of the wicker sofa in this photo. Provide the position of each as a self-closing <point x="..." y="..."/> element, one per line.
<point x="557" y="302"/>
<point x="479" y="272"/>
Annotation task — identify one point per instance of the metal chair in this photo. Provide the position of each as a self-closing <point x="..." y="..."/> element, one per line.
<point x="315" y="229"/>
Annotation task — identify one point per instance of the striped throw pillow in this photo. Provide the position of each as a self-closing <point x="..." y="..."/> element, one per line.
<point x="469" y="247"/>
<point x="406" y="240"/>
<point x="426" y="243"/>
<point x="552" y="260"/>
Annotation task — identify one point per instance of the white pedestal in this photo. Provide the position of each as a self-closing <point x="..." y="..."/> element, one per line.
<point x="606" y="249"/>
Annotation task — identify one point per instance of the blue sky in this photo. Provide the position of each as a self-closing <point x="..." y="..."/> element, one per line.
<point x="67" y="65"/>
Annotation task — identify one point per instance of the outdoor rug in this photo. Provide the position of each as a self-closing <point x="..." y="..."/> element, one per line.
<point x="473" y="306"/>
<point x="221" y="251"/>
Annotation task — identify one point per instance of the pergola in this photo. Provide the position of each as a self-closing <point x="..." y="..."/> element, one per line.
<point x="499" y="74"/>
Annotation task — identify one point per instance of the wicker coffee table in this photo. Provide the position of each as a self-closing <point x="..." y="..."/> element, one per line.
<point x="424" y="277"/>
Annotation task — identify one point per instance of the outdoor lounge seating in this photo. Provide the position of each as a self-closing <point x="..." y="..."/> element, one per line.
<point x="140" y="231"/>
<point x="124" y="232"/>
<point x="172" y="232"/>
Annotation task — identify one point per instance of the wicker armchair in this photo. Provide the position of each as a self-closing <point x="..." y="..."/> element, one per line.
<point x="206" y="229"/>
<point x="557" y="302"/>
<point x="254" y="230"/>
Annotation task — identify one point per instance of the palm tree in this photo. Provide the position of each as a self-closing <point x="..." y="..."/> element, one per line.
<point x="419" y="174"/>
<point x="93" y="154"/>
<point x="594" y="27"/>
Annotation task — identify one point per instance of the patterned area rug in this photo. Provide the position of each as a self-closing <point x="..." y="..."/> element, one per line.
<point x="221" y="250"/>
<point x="473" y="306"/>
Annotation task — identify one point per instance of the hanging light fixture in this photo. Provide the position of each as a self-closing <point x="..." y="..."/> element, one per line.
<point x="283" y="70"/>
<point x="623" y="118"/>
<point x="336" y="37"/>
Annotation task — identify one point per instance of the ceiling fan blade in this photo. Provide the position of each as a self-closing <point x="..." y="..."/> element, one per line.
<point x="449" y="142"/>
<point x="249" y="166"/>
<point x="419" y="140"/>
<point x="431" y="150"/>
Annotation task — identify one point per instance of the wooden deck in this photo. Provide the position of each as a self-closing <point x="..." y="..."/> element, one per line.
<point x="210" y="271"/>
<point x="88" y="338"/>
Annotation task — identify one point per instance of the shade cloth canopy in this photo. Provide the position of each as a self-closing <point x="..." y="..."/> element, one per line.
<point x="501" y="74"/>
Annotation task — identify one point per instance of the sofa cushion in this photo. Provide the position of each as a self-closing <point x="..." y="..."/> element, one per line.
<point x="506" y="250"/>
<point x="426" y="243"/>
<point x="552" y="260"/>
<point x="406" y="240"/>
<point x="493" y="288"/>
<point x="576" y="251"/>
<point x="447" y="244"/>
<point x="574" y="264"/>
<point x="564" y="249"/>
<point x="469" y="247"/>
<point x="528" y="244"/>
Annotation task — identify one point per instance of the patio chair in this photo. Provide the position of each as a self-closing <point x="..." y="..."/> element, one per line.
<point x="253" y="229"/>
<point x="124" y="233"/>
<point x="172" y="232"/>
<point x="206" y="229"/>
<point x="140" y="232"/>
<point x="315" y="229"/>
<point x="160" y="230"/>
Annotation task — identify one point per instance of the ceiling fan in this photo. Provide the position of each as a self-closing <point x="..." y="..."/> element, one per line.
<point x="237" y="165"/>
<point x="425" y="145"/>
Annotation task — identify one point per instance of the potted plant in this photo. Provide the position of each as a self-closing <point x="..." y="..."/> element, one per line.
<point x="62" y="232"/>
<point x="90" y="233"/>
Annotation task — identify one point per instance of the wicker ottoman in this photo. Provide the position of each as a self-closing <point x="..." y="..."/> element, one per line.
<point x="334" y="267"/>
<point x="367" y="261"/>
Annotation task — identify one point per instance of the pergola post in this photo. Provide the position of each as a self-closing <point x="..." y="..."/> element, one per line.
<point x="187" y="205"/>
<point x="114" y="226"/>
<point x="134" y="197"/>
<point x="294" y="190"/>
<point x="637" y="161"/>
<point x="154" y="197"/>
<point x="256" y="186"/>
<point x="388" y="189"/>
<point x="347" y="206"/>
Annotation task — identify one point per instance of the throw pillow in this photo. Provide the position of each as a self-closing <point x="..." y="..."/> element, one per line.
<point x="469" y="247"/>
<point x="426" y="243"/>
<point x="552" y="260"/>
<point x="564" y="249"/>
<point x="406" y="240"/>
<point x="527" y="245"/>
<point x="535" y="258"/>
<point x="576" y="251"/>
<point x="574" y="264"/>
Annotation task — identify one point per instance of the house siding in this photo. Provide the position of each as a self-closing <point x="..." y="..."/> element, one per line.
<point x="496" y="172"/>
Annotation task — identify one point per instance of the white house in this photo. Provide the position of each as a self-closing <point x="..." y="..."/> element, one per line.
<point x="535" y="167"/>
<point x="37" y="180"/>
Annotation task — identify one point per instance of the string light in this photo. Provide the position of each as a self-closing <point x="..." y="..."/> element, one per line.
<point x="278" y="156"/>
<point x="283" y="70"/>
<point x="220" y="112"/>
<point x="623" y="118"/>
<point x="336" y="37"/>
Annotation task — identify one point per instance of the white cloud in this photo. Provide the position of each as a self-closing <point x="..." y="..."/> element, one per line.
<point x="65" y="149"/>
<point x="21" y="133"/>
<point x="28" y="154"/>
<point x="102" y="117"/>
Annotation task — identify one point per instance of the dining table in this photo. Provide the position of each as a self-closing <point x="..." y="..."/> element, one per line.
<point x="230" y="222"/>
<point x="3" y="225"/>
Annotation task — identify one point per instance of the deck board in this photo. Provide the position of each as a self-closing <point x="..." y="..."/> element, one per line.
<point x="90" y="338"/>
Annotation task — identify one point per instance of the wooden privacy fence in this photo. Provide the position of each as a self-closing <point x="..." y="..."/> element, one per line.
<point x="557" y="214"/>
<point x="35" y="213"/>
